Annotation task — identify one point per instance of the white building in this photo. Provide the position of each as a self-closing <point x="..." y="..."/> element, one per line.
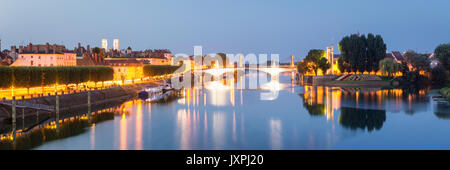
<point x="105" y="44"/>
<point x="116" y="44"/>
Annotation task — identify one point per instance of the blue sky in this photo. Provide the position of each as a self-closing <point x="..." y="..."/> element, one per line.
<point x="232" y="26"/>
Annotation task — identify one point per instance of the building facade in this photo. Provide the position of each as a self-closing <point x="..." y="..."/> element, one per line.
<point x="45" y="56"/>
<point x="105" y="44"/>
<point x="116" y="45"/>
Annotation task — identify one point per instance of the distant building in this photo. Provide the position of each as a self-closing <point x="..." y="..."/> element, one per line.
<point x="434" y="61"/>
<point x="396" y="56"/>
<point x="45" y="55"/>
<point x="105" y="44"/>
<point x="116" y="45"/>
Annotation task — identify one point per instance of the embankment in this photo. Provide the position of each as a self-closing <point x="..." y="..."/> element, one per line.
<point x="69" y="103"/>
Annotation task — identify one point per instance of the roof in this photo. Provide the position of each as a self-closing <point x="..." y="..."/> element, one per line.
<point x="85" y="61"/>
<point x="398" y="56"/>
<point x="390" y="55"/>
<point x="126" y="62"/>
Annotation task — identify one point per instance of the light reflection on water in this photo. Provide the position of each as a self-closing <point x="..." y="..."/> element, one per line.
<point x="219" y="116"/>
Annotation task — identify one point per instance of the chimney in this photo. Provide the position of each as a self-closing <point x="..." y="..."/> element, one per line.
<point x="20" y="49"/>
<point x="47" y="48"/>
<point x="30" y="47"/>
<point x="79" y="45"/>
<point x="54" y="48"/>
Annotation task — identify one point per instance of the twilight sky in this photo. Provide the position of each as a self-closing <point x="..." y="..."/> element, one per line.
<point x="232" y="26"/>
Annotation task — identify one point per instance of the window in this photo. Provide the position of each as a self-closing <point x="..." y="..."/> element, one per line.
<point x="31" y="56"/>
<point x="39" y="57"/>
<point x="31" y="61"/>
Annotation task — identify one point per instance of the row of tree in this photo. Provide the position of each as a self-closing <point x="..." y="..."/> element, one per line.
<point x="158" y="70"/>
<point x="26" y="77"/>
<point x="361" y="53"/>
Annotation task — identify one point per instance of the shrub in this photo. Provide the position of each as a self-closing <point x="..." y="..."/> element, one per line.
<point x="26" y="77"/>
<point x="6" y="77"/>
<point x="158" y="70"/>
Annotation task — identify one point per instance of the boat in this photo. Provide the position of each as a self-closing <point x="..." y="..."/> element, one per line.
<point x="156" y="94"/>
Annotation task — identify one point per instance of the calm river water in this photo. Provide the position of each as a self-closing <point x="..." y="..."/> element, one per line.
<point x="219" y="117"/>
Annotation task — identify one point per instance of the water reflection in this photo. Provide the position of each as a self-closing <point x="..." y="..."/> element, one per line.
<point x="362" y="108"/>
<point x="301" y="117"/>
<point x="48" y="131"/>
<point x="362" y="118"/>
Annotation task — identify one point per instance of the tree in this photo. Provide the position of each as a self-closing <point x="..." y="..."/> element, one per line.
<point x="439" y="76"/>
<point x="224" y="59"/>
<point x="361" y="54"/>
<point x="389" y="66"/>
<point x="324" y="65"/>
<point x="418" y="62"/>
<point x="313" y="58"/>
<point x="442" y="53"/>
<point x="302" y="67"/>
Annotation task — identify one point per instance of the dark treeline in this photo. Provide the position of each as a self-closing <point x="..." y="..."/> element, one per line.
<point x="361" y="53"/>
<point x="26" y="77"/>
<point x="158" y="70"/>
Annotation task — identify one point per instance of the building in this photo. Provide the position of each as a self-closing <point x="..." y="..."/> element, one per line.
<point x="330" y="57"/>
<point x="396" y="56"/>
<point x="126" y="68"/>
<point x="105" y="44"/>
<point x="116" y="45"/>
<point x="45" y="56"/>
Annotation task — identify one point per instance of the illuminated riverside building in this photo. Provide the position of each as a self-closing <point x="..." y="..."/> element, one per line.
<point x="45" y="56"/>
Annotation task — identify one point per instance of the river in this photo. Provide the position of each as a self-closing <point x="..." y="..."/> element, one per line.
<point x="219" y="117"/>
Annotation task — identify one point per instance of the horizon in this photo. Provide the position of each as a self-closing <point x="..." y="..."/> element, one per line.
<point x="235" y="27"/>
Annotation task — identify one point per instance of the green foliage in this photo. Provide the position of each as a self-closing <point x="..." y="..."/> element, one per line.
<point x="359" y="53"/>
<point x="419" y="62"/>
<point x="323" y="64"/>
<point x="49" y="75"/>
<point x="302" y="67"/>
<point x="35" y="76"/>
<point x="389" y="66"/>
<point x="445" y="92"/>
<point x="96" y="50"/>
<point x="21" y="76"/>
<point x="26" y="77"/>
<point x="6" y="77"/>
<point x="439" y="76"/>
<point x="442" y="53"/>
<point x="158" y="70"/>
<point x="316" y="60"/>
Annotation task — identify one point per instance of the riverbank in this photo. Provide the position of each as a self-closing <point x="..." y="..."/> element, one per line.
<point x="445" y="92"/>
<point x="382" y="83"/>
<point x="70" y="103"/>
